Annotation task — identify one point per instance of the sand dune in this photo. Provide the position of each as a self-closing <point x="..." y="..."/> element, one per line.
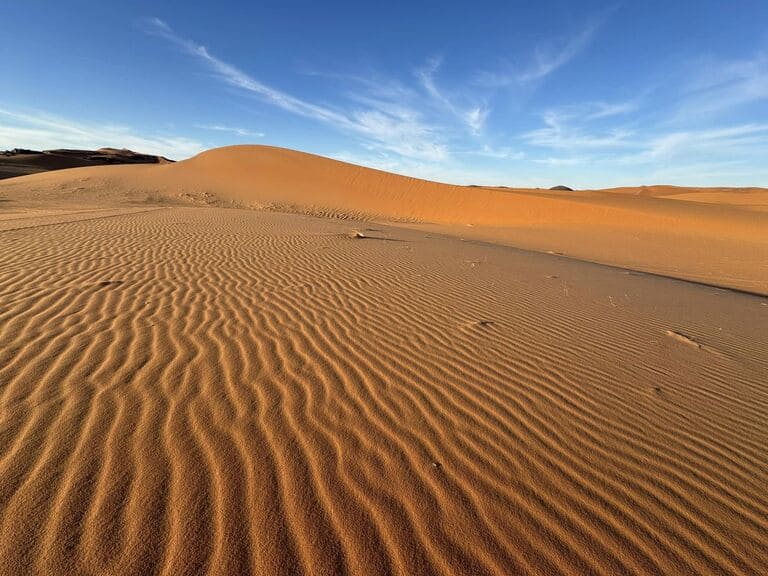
<point x="202" y="390"/>
<point x="716" y="236"/>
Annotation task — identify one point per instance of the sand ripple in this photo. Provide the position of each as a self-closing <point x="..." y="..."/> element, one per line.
<point x="212" y="391"/>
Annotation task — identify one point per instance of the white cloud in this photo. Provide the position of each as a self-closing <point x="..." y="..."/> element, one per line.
<point x="576" y="137"/>
<point x="42" y="131"/>
<point x="504" y="153"/>
<point x="554" y="161"/>
<point x="421" y="129"/>
<point x="473" y="117"/>
<point x="232" y="129"/>
<point x="399" y="133"/>
<point x="558" y="132"/>
<point x="743" y="140"/>
<point x="549" y="59"/>
<point x="608" y="110"/>
<point x="384" y="125"/>
<point x="239" y="79"/>
<point x="696" y="157"/>
<point x="718" y="86"/>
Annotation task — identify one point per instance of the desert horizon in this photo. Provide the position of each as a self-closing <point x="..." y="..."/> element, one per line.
<point x="346" y="289"/>
<point x="264" y="361"/>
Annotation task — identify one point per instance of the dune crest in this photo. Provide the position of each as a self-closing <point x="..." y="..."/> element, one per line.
<point x="711" y="236"/>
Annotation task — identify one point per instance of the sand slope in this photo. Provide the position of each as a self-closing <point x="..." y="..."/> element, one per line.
<point x="190" y="390"/>
<point x="710" y="235"/>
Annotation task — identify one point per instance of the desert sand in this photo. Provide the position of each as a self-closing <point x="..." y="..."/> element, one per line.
<point x="259" y="361"/>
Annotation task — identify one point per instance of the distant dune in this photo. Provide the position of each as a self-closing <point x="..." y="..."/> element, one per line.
<point x="714" y="236"/>
<point x="20" y="162"/>
<point x="259" y="361"/>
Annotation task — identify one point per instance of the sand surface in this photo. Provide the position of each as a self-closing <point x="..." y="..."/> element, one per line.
<point x="716" y="236"/>
<point x="195" y="389"/>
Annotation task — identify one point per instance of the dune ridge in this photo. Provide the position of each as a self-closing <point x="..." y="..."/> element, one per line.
<point x="715" y="236"/>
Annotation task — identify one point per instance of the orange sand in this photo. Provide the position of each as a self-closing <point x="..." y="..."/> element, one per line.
<point x="192" y="389"/>
<point x="716" y="236"/>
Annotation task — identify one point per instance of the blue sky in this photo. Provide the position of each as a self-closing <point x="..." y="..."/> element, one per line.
<point x="590" y="94"/>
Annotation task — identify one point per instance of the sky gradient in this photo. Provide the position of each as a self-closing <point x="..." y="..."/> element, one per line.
<point x="589" y="94"/>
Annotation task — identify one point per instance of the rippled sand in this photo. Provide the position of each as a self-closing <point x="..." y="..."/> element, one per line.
<point x="203" y="390"/>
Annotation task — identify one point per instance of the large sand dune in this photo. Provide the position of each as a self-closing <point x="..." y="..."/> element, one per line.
<point x="715" y="236"/>
<point x="203" y="390"/>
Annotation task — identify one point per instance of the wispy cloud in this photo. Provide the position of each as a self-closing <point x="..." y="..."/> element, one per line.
<point x="232" y="129"/>
<point x="38" y="130"/>
<point x="419" y="125"/>
<point x="559" y="132"/>
<point x="609" y="110"/>
<point x="607" y="136"/>
<point x="554" y="161"/>
<point x="726" y="155"/>
<point x="718" y="86"/>
<point x="549" y="56"/>
<point x="742" y="139"/>
<point x="384" y="125"/>
<point x="502" y="153"/>
<point x="473" y="116"/>
<point x="709" y="173"/>
<point x="235" y="77"/>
